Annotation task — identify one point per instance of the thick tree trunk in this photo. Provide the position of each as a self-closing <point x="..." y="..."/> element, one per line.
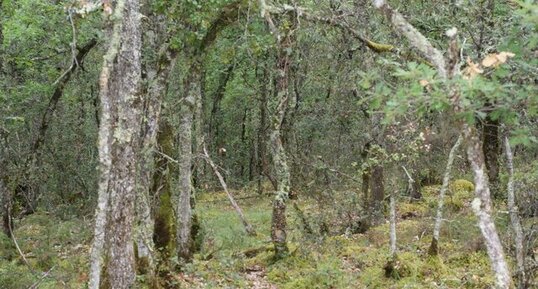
<point x="184" y="210"/>
<point x="118" y="152"/>
<point x="514" y="218"/>
<point x="434" y="246"/>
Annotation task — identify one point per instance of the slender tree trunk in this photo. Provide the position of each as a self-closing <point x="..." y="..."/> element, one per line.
<point x="482" y="207"/>
<point x="280" y="162"/>
<point x="184" y="210"/>
<point x="393" y="224"/>
<point x="118" y="142"/>
<point x="434" y="246"/>
<point x="514" y="217"/>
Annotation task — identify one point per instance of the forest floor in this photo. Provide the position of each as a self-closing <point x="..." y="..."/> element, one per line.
<point x="56" y="250"/>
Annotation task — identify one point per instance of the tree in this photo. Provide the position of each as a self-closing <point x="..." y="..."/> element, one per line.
<point x="448" y="69"/>
<point x="118" y="151"/>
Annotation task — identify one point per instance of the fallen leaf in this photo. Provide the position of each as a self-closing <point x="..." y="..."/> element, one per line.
<point x="472" y="70"/>
<point x="496" y="59"/>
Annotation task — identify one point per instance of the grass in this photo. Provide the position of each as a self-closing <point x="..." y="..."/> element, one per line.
<point x="229" y="258"/>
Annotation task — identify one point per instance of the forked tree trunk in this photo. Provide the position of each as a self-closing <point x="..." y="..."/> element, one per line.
<point x="448" y="69"/>
<point x="434" y="246"/>
<point x="118" y="152"/>
<point x="514" y="217"/>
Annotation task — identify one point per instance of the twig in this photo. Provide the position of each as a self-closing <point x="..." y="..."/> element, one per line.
<point x="34" y="286"/>
<point x="17" y="244"/>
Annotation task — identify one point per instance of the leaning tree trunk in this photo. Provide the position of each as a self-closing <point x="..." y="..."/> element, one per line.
<point x="118" y="142"/>
<point x="448" y="69"/>
<point x="434" y="246"/>
<point x="514" y="217"/>
<point x="184" y="210"/>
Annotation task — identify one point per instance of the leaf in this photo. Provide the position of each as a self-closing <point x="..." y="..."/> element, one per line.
<point x="472" y="70"/>
<point x="496" y="59"/>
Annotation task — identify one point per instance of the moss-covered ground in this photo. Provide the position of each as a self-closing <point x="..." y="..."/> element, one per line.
<point x="229" y="258"/>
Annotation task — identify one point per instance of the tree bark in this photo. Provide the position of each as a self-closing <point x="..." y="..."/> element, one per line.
<point x="434" y="246"/>
<point x="151" y="123"/>
<point x="118" y="152"/>
<point x="514" y="217"/>
<point x="184" y="211"/>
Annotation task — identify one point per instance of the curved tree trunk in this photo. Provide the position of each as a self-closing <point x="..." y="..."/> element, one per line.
<point x="118" y="152"/>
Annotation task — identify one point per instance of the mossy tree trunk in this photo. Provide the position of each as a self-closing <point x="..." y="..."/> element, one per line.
<point x="164" y="234"/>
<point x="157" y="73"/>
<point x="280" y="162"/>
<point x="119" y="82"/>
<point x="184" y="210"/>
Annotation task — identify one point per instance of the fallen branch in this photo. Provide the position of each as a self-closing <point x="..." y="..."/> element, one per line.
<point x="250" y="230"/>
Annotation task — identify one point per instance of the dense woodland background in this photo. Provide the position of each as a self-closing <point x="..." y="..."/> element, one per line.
<point x="269" y="144"/>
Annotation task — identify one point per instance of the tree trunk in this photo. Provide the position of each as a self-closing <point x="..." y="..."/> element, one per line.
<point x="514" y="218"/>
<point x="377" y="192"/>
<point x="118" y="144"/>
<point x="184" y="210"/>
<point x="434" y="246"/>
<point x="151" y="123"/>
<point x="5" y="206"/>
<point x="482" y="207"/>
<point x="491" y="148"/>
<point x="165" y="223"/>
